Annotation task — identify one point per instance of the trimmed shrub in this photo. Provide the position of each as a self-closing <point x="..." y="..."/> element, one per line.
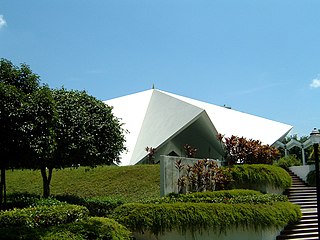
<point x="257" y="174"/>
<point x="42" y="216"/>
<point x="24" y="200"/>
<point x="100" y="228"/>
<point x="100" y="207"/>
<point x="219" y="217"/>
<point x="21" y="200"/>
<point x="91" y="228"/>
<point x="224" y="196"/>
<point x="288" y="161"/>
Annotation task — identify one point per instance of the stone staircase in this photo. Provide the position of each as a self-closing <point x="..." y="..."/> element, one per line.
<point x="306" y="197"/>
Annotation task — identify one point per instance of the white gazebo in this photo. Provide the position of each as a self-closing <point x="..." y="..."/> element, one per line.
<point x="167" y="122"/>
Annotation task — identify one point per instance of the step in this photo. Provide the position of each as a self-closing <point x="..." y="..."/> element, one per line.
<point x="303" y="191"/>
<point x="300" y="230"/>
<point x="301" y="194"/>
<point x="301" y="225"/>
<point x="303" y="202"/>
<point x="304" y="196"/>
<point x="305" y="238"/>
<point x="298" y="235"/>
<point x="312" y="199"/>
<point x="303" y="187"/>
<point x="308" y="221"/>
<point x="308" y="212"/>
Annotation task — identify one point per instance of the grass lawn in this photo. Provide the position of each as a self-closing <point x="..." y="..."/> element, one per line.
<point x="130" y="183"/>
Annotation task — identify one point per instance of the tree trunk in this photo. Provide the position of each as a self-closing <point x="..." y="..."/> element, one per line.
<point x="46" y="179"/>
<point x="3" y="188"/>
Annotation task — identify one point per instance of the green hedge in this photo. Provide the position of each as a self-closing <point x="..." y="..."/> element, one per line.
<point x="42" y="216"/>
<point x="223" y="196"/>
<point x="219" y="217"/>
<point x="101" y="207"/>
<point x="257" y="174"/>
<point x="91" y="228"/>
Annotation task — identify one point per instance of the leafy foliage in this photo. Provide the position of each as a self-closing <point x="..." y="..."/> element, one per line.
<point x="87" y="132"/>
<point x="288" y="161"/>
<point x="21" y="78"/>
<point x="239" y="150"/>
<point x="18" y="85"/>
<point x="100" y="207"/>
<point x="93" y="228"/>
<point x="45" y="129"/>
<point x="311" y="178"/>
<point x="204" y="175"/>
<point x="251" y="175"/>
<point x="224" y="196"/>
<point x="151" y="152"/>
<point x="42" y="216"/>
<point x="127" y="183"/>
<point x="190" y="151"/>
<point x="24" y="200"/>
<point x="158" y="218"/>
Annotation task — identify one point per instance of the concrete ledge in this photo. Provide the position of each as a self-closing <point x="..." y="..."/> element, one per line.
<point x="169" y="175"/>
<point x="231" y="234"/>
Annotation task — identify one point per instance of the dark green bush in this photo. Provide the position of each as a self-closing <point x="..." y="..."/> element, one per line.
<point x="42" y="215"/>
<point x="158" y="218"/>
<point x="21" y="200"/>
<point x="288" y="161"/>
<point x="311" y="178"/>
<point x="258" y="174"/>
<point x="224" y="196"/>
<point x="91" y="229"/>
<point x="24" y="200"/>
<point x="100" y="228"/>
<point x="100" y="207"/>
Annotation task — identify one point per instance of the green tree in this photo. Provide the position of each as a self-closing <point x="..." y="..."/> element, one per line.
<point x="40" y="116"/>
<point x="86" y="132"/>
<point x="16" y="83"/>
<point x="51" y="129"/>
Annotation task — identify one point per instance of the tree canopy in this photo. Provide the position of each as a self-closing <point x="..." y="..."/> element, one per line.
<point x="17" y="84"/>
<point x="50" y="129"/>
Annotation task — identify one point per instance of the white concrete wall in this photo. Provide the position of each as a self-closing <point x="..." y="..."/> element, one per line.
<point x="302" y="171"/>
<point x="231" y="234"/>
<point x="169" y="174"/>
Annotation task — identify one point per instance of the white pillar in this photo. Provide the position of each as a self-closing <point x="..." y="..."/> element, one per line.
<point x="303" y="157"/>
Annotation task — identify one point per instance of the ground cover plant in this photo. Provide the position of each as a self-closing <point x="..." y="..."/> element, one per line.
<point x="85" y="229"/>
<point x="42" y="216"/>
<point x="223" y="196"/>
<point x="49" y="218"/>
<point x="129" y="183"/>
<point x="248" y="175"/>
<point x="199" y="211"/>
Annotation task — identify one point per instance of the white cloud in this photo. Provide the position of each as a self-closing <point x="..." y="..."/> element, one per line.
<point x="315" y="83"/>
<point x="3" y="22"/>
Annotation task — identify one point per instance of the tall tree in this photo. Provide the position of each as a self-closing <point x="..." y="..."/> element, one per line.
<point x="16" y="83"/>
<point x="52" y="128"/>
<point x="87" y="133"/>
<point x="39" y="131"/>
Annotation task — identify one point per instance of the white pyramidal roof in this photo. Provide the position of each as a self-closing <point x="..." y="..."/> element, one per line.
<point x="154" y="118"/>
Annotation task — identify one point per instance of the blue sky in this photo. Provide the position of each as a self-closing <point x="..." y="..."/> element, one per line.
<point x="259" y="57"/>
